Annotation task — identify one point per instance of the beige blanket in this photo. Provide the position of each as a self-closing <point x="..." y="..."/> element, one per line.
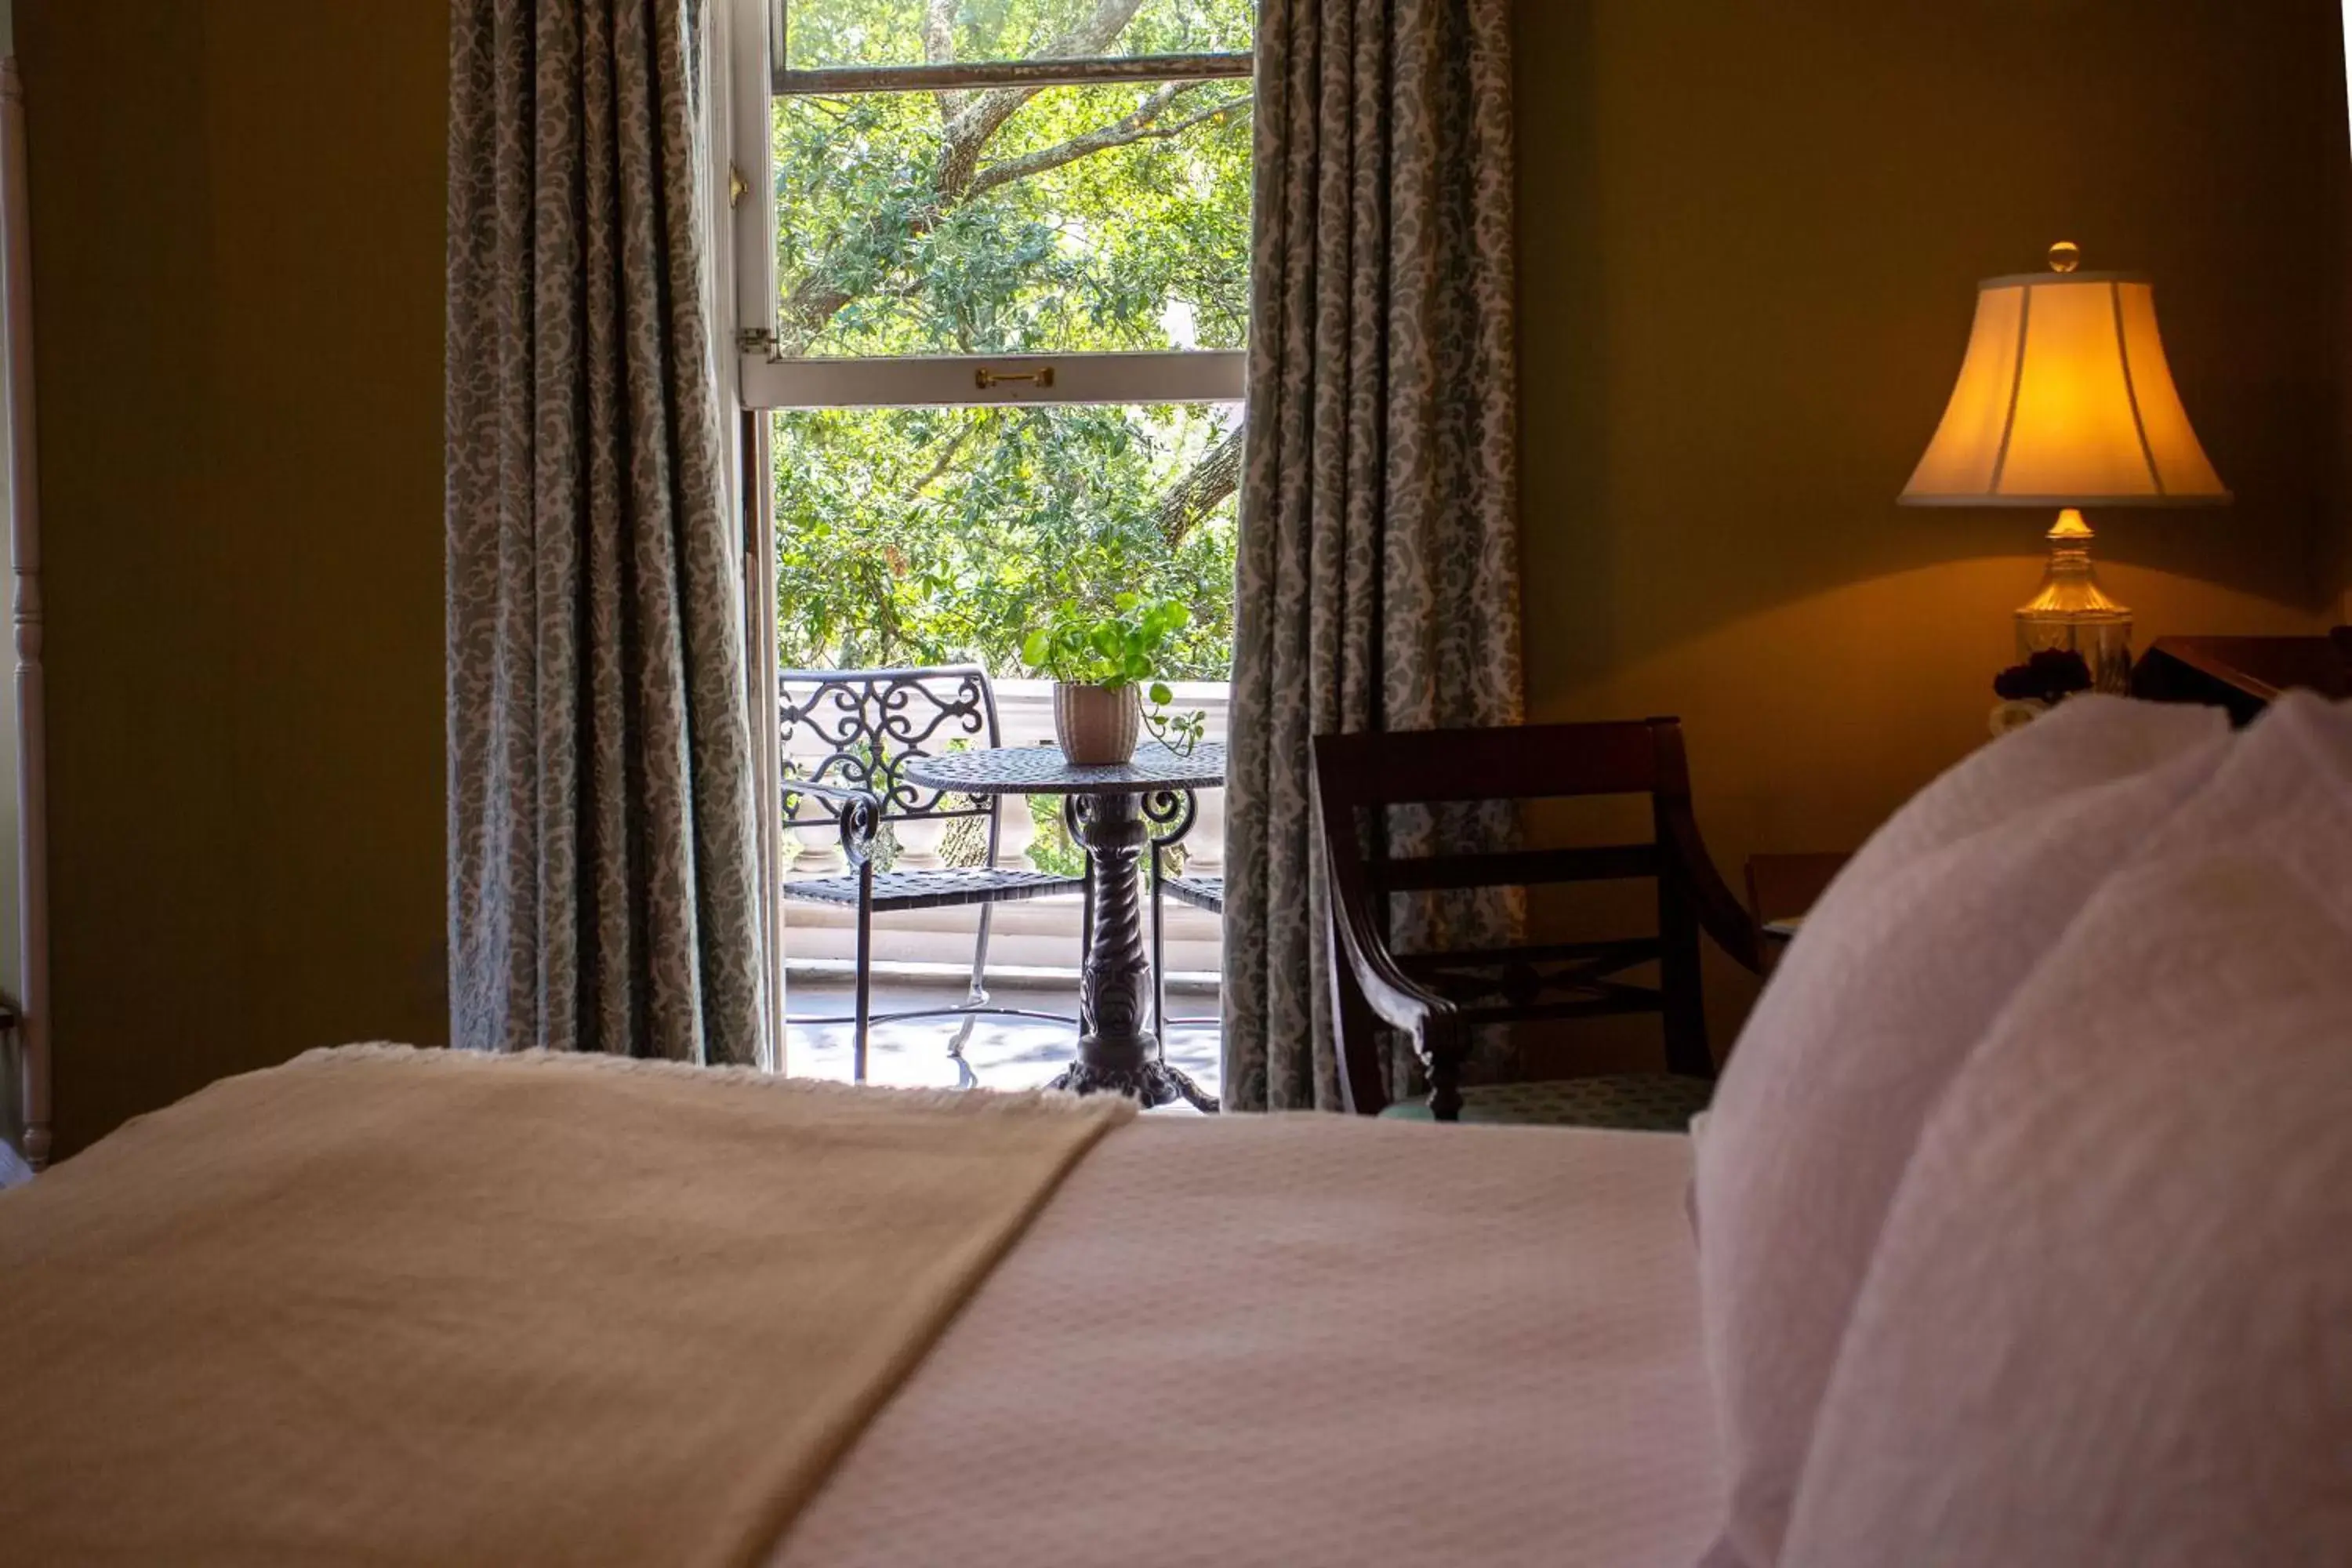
<point x="397" y="1307"/>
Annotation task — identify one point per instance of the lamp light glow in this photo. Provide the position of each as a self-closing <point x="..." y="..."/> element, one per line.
<point x="2066" y="400"/>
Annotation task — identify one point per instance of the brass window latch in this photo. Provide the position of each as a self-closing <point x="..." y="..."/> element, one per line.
<point x="988" y="380"/>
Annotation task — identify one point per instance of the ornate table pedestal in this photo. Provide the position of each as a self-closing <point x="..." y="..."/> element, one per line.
<point x="1111" y="812"/>
<point x="1117" y="1051"/>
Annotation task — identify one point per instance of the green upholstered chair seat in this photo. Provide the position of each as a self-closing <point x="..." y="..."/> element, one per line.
<point x="1646" y="1102"/>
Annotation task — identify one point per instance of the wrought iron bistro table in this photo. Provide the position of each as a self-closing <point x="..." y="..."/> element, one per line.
<point x="1116" y="813"/>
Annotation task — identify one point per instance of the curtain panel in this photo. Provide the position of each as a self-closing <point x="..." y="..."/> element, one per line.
<point x="1379" y="578"/>
<point x="603" y="872"/>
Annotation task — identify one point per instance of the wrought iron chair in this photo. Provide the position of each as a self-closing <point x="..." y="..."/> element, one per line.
<point x="1206" y="893"/>
<point x="855" y="729"/>
<point x="1437" y="998"/>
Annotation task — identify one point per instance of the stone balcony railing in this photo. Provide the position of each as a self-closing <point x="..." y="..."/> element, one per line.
<point x="1038" y="937"/>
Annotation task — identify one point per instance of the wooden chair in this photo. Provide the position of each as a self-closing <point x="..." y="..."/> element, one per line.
<point x="1439" y="999"/>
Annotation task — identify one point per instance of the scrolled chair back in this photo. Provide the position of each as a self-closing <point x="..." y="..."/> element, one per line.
<point x="858" y="727"/>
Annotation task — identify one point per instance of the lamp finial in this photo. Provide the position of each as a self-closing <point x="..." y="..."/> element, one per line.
<point x="2065" y="256"/>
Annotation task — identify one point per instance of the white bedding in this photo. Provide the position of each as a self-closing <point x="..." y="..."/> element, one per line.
<point x="1304" y="1340"/>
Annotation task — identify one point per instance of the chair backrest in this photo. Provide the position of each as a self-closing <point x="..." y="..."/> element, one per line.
<point x="1357" y="776"/>
<point x="860" y="727"/>
<point x="1354" y="774"/>
<point x="1526" y="761"/>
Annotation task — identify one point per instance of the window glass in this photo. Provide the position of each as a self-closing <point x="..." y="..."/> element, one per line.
<point x="1076" y="219"/>
<point x="923" y="536"/>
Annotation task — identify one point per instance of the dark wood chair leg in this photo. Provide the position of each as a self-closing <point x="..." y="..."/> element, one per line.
<point x="1682" y="986"/>
<point x="1687" y="1052"/>
<point x="1443" y="1052"/>
<point x="1356" y="1036"/>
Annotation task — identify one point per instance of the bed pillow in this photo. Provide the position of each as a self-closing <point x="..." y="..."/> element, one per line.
<point x="1896" y="976"/>
<point x="2109" y="1320"/>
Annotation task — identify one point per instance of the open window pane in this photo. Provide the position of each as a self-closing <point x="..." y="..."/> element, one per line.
<point x="823" y="34"/>
<point x="934" y="535"/>
<point x="1080" y="219"/>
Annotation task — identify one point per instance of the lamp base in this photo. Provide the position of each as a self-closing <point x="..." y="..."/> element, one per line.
<point x="2072" y="613"/>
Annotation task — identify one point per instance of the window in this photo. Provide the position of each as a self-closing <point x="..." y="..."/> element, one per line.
<point x="1004" y="202"/>
<point x="992" y="291"/>
<point x="997" y="302"/>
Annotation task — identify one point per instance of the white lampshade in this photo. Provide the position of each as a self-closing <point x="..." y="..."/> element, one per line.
<point x="2066" y="400"/>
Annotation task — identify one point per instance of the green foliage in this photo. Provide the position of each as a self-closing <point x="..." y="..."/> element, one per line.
<point x="927" y="536"/>
<point x="1180" y="732"/>
<point x="1140" y="245"/>
<point x="1121" y="648"/>
<point x="1053" y="850"/>
<point x="1065" y="220"/>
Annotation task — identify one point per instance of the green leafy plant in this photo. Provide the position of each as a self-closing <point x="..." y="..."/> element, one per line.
<point x="1180" y="732"/>
<point x="1121" y="648"/>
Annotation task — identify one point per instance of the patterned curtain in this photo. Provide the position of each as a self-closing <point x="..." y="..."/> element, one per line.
<point x="1379" y="578"/>
<point x="603" y="873"/>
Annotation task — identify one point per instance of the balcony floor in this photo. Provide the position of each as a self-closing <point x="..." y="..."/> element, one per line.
<point x="1004" y="1053"/>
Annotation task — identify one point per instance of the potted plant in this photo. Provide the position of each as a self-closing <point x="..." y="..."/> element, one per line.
<point x="1098" y="665"/>
<point x="2030" y="689"/>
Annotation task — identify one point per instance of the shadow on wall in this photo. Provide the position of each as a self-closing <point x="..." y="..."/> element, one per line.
<point x="1749" y="243"/>
<point x="1750" y="240"/>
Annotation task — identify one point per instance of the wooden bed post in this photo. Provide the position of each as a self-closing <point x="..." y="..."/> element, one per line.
<point x="25" y="538"/>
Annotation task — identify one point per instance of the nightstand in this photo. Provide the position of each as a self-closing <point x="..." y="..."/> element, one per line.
<point x="1781" y="888"/>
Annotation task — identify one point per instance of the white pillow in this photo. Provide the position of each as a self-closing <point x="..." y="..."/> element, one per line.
<point x="2110" y="1318"/>
<point x="1896" y="976"/>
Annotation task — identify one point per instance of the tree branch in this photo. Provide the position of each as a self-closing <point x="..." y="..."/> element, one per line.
<point x="947" y="455"/>
<point x="975" y="117"/>
<point x="1140" y="126"/>
<point x="985" y="113"/>
<point x="1203" y="489"/>
<point x="1096" y="33"/>
<point x="938" y="47"/>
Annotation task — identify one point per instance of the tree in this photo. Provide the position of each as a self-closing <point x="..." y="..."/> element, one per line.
<point x="1007" y="221"/>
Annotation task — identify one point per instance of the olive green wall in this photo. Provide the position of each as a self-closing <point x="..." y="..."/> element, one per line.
<point x="1751" y="239"/>
<point x="238" y="219"/>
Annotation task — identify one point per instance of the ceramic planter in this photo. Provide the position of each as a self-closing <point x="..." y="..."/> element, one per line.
<point x="1098" y="725"/>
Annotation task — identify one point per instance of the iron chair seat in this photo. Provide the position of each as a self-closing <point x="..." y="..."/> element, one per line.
<point x="955" y="888"/>
<point x="1206" y="893"/>
<point x="856" y="730"/>
<point x="1200" y="892"/>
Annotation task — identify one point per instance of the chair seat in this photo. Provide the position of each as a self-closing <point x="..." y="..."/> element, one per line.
<point x="936" y="889"/>
<point x="1644" y="1102"/>
<point x="1200" y="892"/>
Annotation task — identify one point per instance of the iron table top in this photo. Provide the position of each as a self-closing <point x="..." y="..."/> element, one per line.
<point x="1043" y="770"/>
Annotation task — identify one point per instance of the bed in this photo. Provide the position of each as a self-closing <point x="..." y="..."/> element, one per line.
<point x="2014" y="1235"/>
<point x="1200" y="1353"/>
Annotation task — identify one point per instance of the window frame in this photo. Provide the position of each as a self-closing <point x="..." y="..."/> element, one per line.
<point x="767" y="380"/>
<point x="746" y="75"/>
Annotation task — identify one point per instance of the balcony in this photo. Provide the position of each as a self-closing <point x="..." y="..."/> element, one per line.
<point x="923" y="959"/>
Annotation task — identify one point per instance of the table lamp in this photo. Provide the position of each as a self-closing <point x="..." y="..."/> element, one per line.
<point x="2064" y="399"/>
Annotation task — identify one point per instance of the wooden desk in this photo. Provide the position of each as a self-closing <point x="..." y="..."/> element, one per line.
<point x="2244" y="675"/>
<point x="1783" y="886"/>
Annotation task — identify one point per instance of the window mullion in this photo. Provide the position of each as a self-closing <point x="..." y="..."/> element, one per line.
<point x="1187" y="375"/>
<point x="958" y="76"/>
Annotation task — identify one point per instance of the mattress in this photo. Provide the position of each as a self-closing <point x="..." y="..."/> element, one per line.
<point x="1301" y="1339"/>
